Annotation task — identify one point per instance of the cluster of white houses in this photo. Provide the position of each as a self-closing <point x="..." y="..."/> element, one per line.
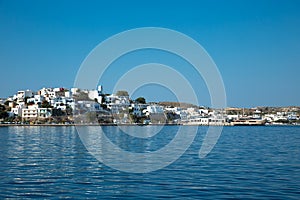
<point x="30" y="105"/>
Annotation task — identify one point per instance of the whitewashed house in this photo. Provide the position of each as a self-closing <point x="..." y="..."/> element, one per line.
<point x="117" y="104"/>
<point x="154" y="109"/>
<point x="44" y="112"/>
<point x="94" y="94"/>
<point x="137" y="109"/>
<point x="34" y="112"/>
<point x="30" y="112"/>
<point x="47" y="93"/>
<point x="36" y="99"/>
<point x="155" y="113"/>
<point x="74" y="91"/>
<point x="22" y="94"/>
<point x="17" y="110"/>
<point x="199" y="121"/>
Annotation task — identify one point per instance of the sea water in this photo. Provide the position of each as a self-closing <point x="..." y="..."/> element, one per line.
<point x="246" y="162"/>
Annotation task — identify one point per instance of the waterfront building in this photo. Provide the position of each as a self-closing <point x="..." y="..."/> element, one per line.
<point x="17" y="110"/>
<point x="199" y="121"/>
<point x="44" y="112"/>
<point x="30" y="112"/>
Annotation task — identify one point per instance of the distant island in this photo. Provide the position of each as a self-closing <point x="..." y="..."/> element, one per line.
<point x="75" y="106"/>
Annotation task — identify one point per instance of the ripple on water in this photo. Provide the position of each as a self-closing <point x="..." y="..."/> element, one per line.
<point x="247" y="162"/>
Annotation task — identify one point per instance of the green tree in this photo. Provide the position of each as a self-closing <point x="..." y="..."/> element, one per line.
<point x="46" y="104"/>
<point x="57" y="112"/>
<point x="141" y="100"/>
<point x="69" y="110"/>
<point x="3" y="112"/>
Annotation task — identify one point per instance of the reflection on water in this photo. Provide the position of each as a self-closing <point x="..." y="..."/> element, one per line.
<point x="247" y="162"/>
<point x="119" y="152"/>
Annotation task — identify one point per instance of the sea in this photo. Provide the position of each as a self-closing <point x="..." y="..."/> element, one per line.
<point x="50" y="162"/>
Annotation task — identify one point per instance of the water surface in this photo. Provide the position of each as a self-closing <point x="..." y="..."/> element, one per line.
<point x="247" y="162"/>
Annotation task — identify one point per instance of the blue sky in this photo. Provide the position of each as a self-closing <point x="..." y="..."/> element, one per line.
<point x="255" y="44"/>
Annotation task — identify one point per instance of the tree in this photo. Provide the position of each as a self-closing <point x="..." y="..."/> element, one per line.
<point x="141" y="100"/>
<point x="46" y="104"/>
<point x="69" y="110"/>
<point x="25" y="100"/>
<point x="3" y="113"/>
<point x="57" y="112"/>
<point x="30" y="103"/>
<point x="122" y="93"/>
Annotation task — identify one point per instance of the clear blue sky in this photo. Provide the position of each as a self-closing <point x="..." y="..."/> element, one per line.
<point x="255" y="44"/>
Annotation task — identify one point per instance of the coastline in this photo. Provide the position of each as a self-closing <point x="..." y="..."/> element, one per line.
<point x="61" y="125"/>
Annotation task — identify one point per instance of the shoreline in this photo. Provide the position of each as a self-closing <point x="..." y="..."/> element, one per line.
<point x="60" y="125"/>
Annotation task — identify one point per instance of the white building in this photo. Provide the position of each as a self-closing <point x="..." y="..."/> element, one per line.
<point x="57" y="89"/>
<point x="47" y="93"/>
<point x="18" y="109"/>
<point x="11" y="104"/>
<point x="44" y="112"/>
<point x="68" y="94"/>
<point x="94" y="94"/>
<point x="62" y="103"/>
<point x="117" y="104"/>
<point x="156" y="114"/>
<point x="22" y="94"/>
<point x="154" y="109"/>
<point x="217" y="120"/>
<point x="199" y="121"/>
<point x="88" y="106"/>
<point x="233" y="117"/>
<point x="29" y="113"/>
<point x="58" y="101"/>
<point x="36" y="99"/>
<point x="137" y="109"/>
<point x="176" y="110"/>
<point x="74" y="91"/>
<point x="44" y="91"/>
<point x="292" y="116"/>
<point x="113" y="99"/>
<point x="280" y="116"/>
<point x="184" y="116"/>
<point x="34" y="112"/>
<point x="203" y="111"/>
<point x="256" y="114"/>
<point x="118" y="108"/>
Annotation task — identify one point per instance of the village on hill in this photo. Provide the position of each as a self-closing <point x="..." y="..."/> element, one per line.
<point x="81" y="106"/>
